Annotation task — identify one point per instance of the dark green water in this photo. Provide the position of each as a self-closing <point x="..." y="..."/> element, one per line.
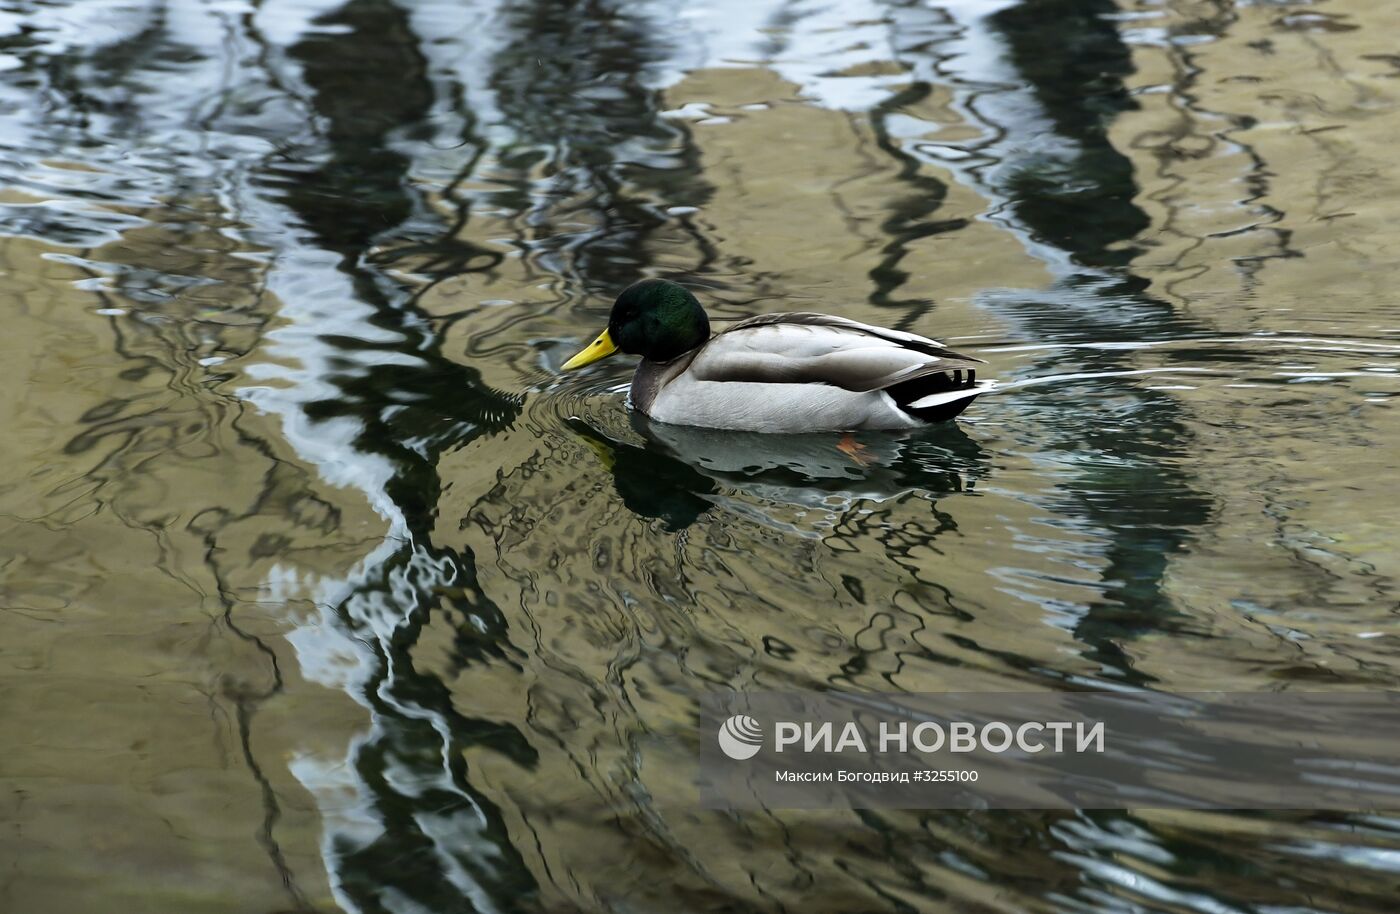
<point x="322" y="589"/>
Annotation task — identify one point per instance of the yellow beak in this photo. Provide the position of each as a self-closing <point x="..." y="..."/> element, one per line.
<point x="600" y="348"/>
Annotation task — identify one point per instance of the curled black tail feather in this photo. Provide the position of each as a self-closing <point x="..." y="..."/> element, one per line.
<point x="907" y="392"/>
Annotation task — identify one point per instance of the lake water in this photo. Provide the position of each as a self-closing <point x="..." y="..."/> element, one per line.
<point x="322" y="589"/>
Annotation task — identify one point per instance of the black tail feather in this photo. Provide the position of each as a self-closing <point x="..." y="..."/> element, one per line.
<point x="907" y="392"/>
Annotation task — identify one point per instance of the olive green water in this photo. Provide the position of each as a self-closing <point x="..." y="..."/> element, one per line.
<point x="321" y="589"/>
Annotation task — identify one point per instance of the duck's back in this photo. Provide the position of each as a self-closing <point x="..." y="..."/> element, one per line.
<point x="802" y="372"/>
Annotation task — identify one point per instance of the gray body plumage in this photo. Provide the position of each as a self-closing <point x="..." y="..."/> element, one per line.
<point x="797" y="372"/>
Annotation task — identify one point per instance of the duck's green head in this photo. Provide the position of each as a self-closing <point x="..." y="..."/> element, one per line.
<point x="655" y="319"/>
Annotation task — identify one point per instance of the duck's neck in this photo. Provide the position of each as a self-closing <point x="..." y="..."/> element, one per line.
<point x="652" y="376"/>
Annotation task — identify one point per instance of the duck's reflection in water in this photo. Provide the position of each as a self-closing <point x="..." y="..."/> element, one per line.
<point x="677" y="473"/>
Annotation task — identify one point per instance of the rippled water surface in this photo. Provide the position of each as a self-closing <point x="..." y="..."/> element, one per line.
<point x="322" y="589"/>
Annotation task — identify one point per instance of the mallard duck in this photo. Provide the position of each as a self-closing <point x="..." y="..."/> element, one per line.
<point x="792" y="372"/>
